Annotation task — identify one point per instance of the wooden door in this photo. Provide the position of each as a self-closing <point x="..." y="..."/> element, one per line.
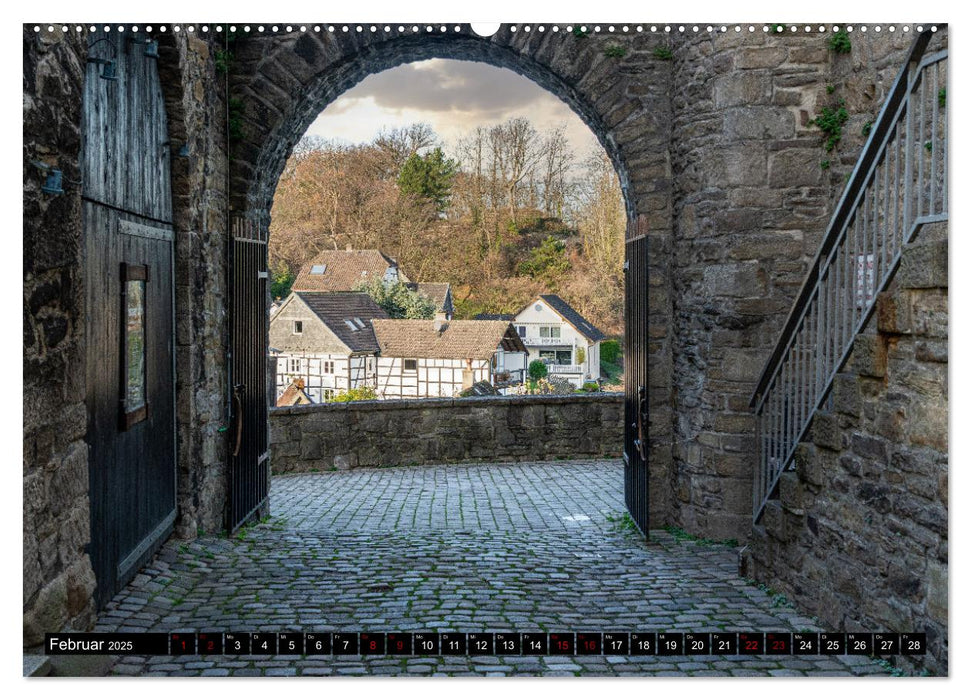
<point x="127" y="214"/>
<point x="636" y="379"/>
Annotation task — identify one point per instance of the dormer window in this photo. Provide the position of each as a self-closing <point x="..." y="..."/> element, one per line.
<point x="297" y="327"/>
<point x="318" y="269"/>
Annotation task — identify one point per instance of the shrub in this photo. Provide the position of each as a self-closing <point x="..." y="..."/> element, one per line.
<point x="840" y="42"/>
<point x="590" y="386"/>
<point x="610" y="351"/>
<point x="361" y="393"/>
<point x="537" y="370"/>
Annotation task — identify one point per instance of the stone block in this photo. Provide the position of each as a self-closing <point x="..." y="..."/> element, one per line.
<point x="760" y="57"/>
<point x="846" y="395"/>
<point x="807" y="465"/>
<point x="869" y="356"/>
<point x="826" y="431"/>
<point x="759" y="123"/>
<point x="735" y="166"/>
<point x="737" y="279"/>
<point x="796" y="167"/>
<point x="936" y="577"/>
<point x="895" y="312"/>
<point x="923" y="265"/>
<point x="737" y="89"/>
<point x="790" y="491"/>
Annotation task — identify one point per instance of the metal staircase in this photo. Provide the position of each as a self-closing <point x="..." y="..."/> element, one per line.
<point x="899" y="184"/>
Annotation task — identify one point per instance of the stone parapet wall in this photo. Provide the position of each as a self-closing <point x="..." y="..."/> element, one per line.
<point x="754" y="192"/>
<point x="436" y="431"/>
<point x="859" y="533"/>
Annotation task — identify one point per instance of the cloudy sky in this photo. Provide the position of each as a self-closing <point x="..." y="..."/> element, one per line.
<point x="452" y="96"/>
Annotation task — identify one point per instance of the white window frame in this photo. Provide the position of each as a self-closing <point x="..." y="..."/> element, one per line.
<point x="297" y="323"/>
<point x="294" y="365"/>
<point x="328" y="367"/>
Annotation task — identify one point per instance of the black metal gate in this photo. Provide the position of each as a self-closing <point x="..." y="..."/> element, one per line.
<point x="248" y="440"/>
<point x="635" y="379"/>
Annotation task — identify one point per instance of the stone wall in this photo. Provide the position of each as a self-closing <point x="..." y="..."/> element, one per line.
<point x="438" y="431"/>
<point x="752" y="200"/>
<point x="58" y="578"/>
<point x="858" y="535"/>
<point x="195" y="105"/>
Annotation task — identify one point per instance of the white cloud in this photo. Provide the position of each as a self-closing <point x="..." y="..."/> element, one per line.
<point x="452" y="96"/>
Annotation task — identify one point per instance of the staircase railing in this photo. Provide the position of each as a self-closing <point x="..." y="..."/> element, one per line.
<point x="899" y="184"/>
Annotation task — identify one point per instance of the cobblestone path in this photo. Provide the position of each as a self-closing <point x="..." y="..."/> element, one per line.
<point x="520" y="547"/>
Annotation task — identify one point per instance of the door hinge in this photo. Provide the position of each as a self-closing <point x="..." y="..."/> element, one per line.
<point x="263" y="274"/>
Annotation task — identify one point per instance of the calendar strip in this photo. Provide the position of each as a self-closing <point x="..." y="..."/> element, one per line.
<point x="615" y="643"/>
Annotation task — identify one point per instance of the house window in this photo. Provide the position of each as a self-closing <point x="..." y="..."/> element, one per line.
<point x="294" y="365"/>
<point x="328" y="394"/>
<point x="521" y="330"/>
<point x="549" y="331"/>
<point x="297" y="327"/>
<point x="328" y="366"/>
<point x="557" y="357"/>
<point x="411" y="365"/>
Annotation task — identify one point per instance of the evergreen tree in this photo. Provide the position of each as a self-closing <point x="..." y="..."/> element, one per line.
<point x="429" y="177"/>
<point x="398" y="301"/>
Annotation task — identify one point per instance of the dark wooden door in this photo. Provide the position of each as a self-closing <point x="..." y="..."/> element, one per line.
<point x="635" y="379"/>
<point x="127" y="214"/>
<point x="249" y="462"/>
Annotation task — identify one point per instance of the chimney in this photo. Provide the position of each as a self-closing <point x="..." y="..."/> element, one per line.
<point x="440" y="323"/>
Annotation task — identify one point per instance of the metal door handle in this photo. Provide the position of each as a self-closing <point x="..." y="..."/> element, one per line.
<point x="238" y="410"/>
<point x="640" y="442"/>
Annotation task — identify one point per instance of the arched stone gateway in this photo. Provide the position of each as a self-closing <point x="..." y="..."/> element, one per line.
<point x="727" y="182"/>
<point x="280" y="83"/>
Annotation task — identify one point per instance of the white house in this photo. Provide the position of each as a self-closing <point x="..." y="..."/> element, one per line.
<point x="553" y="331"/>
<point x="437" y="358"/>
<point x="326" y="340"/>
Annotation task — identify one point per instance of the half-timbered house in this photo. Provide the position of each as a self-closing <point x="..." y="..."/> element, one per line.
<point x="436" y="358"/>
<point x="325" y="339"/>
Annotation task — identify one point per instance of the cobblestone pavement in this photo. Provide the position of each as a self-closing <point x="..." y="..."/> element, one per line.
<point x="521" y="547"/>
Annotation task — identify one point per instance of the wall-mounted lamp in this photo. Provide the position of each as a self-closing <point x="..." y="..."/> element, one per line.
<point x="52" y="185"/>
<point x="184" y="151"/>
<point x="109" y="70"/>
<point x="151" y="46"/>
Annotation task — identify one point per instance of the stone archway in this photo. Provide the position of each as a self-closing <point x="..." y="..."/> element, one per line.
<point x="280" y="82"/>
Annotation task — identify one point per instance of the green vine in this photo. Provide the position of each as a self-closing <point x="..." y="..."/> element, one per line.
<point x="830" y="121"/>
<point x="867" y="128"/>
<point x="825" y="165"/>
<point x="663" y="53"/>
<point x="579" y="31"/>
<point x="615" y="52"/>
<point x="840" y="42"/>
<point x="777" y="28"/>
<point x="235" y="123"/>
<point x="942" y="97"/>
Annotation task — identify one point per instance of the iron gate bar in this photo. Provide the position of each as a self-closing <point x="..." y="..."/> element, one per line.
<point x="248" y="381"/>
